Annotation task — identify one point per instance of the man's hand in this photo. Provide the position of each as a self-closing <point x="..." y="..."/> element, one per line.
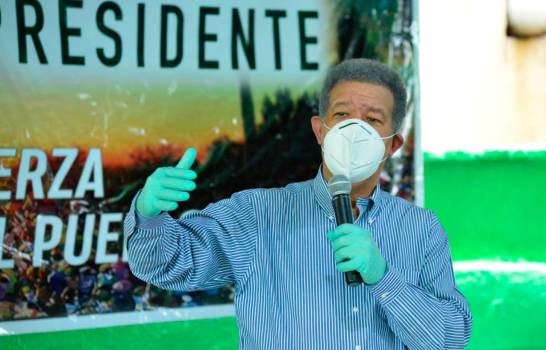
<point x="355" y="244"/>
<point x="167" y="186"/>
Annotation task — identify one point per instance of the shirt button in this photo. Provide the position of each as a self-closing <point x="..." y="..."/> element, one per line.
<point x="355" y="309"/>
<point x="384" y="295"/>
<point x="358" y="347"/>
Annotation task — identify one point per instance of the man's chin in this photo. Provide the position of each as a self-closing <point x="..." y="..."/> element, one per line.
<point x="372" y="180"/>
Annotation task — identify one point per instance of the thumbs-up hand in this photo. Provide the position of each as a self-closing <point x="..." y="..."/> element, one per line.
<point x="167" y="186"/>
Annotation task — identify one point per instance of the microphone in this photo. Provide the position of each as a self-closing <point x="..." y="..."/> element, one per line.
<point x="340" y="189"/>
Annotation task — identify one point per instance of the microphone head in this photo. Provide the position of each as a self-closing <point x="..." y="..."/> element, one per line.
<point x="339" y="184"/>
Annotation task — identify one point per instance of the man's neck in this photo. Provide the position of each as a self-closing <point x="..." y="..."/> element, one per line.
<point x="361" y="189"/>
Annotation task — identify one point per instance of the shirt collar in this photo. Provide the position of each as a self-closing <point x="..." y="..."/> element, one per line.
<point x="324" y="199"/>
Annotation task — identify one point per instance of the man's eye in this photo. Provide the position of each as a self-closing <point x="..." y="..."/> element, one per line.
<point x="341" y="114"/>
<point x="373" y="120"/>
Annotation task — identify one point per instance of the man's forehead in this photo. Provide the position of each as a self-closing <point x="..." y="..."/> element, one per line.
<point x="359" y="94"/>
<point x="360" y="89"/>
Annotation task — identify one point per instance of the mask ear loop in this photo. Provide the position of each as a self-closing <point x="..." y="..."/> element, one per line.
<point x="384" y="159"/>
<point x="387" y="137"/>
<point x="326" y="125"/>
<point x="327" y="128"/>
<point x="384" y="138"/>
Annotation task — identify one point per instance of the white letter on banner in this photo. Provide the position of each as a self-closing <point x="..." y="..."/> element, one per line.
<point x="35" y="176"/>
<point x="55" y="190"/>
<point x="92" y="168"/>
<point x="39" y="245"/>
<point x="124" y="249"/>
<point x="4" y="263"/>
<point x="106" y="236"/>
<point x="70" y="242"/>
<point x="6" y="172"/>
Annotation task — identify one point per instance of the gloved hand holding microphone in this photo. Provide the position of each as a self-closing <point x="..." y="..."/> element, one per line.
<point x="167" y="186"/>
<point x="355" y="250"/>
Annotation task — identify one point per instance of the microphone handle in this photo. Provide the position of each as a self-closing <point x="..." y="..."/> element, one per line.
<point x="344" y="215"/>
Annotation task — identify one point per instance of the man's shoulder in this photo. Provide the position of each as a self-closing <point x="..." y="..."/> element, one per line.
<point x="289" y="190"/>
<point x="292" y="189"/>
<point x="406" y="209"/>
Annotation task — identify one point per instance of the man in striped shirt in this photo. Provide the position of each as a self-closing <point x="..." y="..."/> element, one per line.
<point x="284" y="253"/>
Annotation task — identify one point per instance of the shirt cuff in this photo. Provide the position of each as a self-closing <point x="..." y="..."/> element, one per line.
<point x="389" y="287"/>
<point x="145" y="222"/>
<point x="150" y="223"/>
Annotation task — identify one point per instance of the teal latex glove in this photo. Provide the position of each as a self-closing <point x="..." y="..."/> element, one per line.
<point x="355" y="250"/>
<point x="167" y="186"/>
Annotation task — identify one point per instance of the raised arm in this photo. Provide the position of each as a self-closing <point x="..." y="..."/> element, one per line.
<point x="206" y="249"/>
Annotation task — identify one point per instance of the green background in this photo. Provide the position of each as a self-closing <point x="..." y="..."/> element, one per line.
<point x="493" y="207"/>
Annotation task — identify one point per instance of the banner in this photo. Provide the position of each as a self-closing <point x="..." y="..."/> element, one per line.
<point x="95" y="95"/>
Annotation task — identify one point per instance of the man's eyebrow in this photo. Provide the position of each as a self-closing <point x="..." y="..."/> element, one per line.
<point x="368" y="107"/>
<point x="341" y="103"/>
<point x="378" y="110"/>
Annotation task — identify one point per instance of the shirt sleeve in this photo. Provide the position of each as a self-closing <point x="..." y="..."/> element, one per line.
<point x="205" y="249"/>
<point x="433" y="315"/>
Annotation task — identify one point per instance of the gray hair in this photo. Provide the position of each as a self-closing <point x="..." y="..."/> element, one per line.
<point x="366" y="71"/>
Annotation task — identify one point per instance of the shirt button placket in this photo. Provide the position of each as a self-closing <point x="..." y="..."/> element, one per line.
<point x="355" y="311"/>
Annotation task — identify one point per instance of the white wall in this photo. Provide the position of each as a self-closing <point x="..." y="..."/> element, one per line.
<point x="480" y="89"/>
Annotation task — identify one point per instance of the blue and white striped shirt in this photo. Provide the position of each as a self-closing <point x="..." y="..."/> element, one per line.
<point x="272" y="244"/>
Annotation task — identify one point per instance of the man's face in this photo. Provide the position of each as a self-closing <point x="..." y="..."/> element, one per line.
<point x="371" y="103"/>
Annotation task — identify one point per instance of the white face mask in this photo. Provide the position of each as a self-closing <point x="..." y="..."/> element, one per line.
<point x="353" y="148"/>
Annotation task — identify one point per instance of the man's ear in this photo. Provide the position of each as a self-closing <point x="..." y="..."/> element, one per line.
<point x="397" y="142"/>
<point x="316" y="125"/>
